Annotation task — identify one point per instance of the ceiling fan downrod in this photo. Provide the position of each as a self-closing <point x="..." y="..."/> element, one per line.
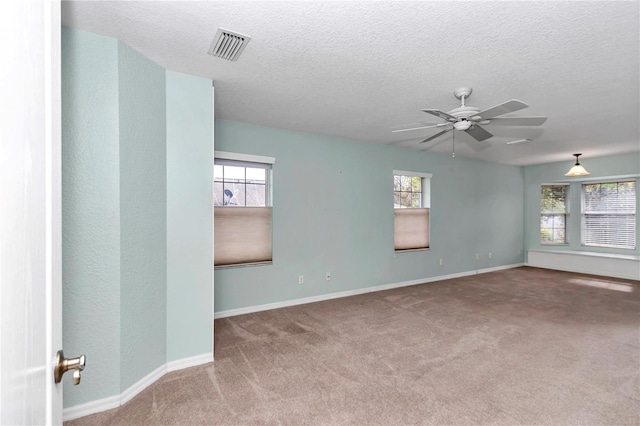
<point x="463" y="93"/>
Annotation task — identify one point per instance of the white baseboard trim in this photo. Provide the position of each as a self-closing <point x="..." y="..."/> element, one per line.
<point x="115" y="401"/>
<point x="193" y="361"/>
<point x="500" y="268"/>
<point x="92" y="407"/>
<point x="142" y="384"/>
<point x="329" y="296"/>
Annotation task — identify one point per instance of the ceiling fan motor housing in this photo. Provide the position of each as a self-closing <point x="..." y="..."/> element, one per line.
<point x="464" y="112"/>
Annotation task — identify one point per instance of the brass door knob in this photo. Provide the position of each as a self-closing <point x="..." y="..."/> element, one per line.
<point x="65" y="364"/>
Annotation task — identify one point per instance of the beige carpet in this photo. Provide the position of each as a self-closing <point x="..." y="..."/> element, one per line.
<point x="520" y="346"/>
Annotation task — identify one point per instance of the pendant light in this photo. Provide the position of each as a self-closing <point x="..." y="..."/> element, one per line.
<point x="577" y="169"/>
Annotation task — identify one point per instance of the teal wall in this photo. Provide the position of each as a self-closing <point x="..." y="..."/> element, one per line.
<point x="91" y="212"/>
<point x="136" y="171"/>
<point x="333" y="212"/>
<point x="143" y="223"/>
<point x="601" y="168"/>
<point x="189" y="213"/>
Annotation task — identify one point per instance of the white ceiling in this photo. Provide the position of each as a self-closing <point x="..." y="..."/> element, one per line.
<point x="358" y="69"/>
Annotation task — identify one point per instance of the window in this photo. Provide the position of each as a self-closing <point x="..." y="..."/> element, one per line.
<point x="553" y="214"/>
<point x="242" y="209"/>
<point x="609" y="214"/>
<point x="411" y="202"/>
<point x="237" y="183"/>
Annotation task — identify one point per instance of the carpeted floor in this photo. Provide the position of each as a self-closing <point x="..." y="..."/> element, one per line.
<point x="520" y="346"/>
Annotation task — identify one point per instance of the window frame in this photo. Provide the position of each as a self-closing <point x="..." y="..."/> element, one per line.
<point x="252" y="161"/>
<point x="267" y="167"/>
<point x="422" y="176"/>
<point x="584" y="214"/>
<point x="425" y="203"/>
<point x="566" y="214"/>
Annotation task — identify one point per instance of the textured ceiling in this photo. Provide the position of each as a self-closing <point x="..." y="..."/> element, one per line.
<point x="359" y="69"/>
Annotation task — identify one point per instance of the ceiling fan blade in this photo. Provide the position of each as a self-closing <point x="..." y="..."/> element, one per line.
<point x="419" y="128"/>
<point x="518" y="121"/>
<point x="503" y="108"/>
<point x="441" y="114"/>
<point x="478" y="133"/>
<point x="436" y="135"/>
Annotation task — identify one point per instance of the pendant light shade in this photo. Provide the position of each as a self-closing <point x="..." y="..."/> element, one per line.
<point x="577" y="169"/>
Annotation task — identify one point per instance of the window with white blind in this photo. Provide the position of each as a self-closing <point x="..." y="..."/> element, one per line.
<point x="242" y="209"/>
<point x="411" y="201"/>
<point x="609" y="214"/>
<point x="553" y="214"/>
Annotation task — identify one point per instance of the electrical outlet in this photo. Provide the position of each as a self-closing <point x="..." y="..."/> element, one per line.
<point x="489" y="255"/>
<point x="441" y="262"/>
<point x="328" y="276"/>
<point x="301" y="279"/>
<point x="477" y="256"/>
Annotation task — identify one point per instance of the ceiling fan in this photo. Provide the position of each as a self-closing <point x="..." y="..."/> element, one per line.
<point x="468" y="119"/>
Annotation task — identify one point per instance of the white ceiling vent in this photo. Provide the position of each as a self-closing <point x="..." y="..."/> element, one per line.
<point x="228" y="45"/>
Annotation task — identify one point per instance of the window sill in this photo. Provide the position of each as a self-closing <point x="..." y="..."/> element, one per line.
<point x="411" y="250"/>
<point x="587" y="246"/>
<point x="243" y="265"/>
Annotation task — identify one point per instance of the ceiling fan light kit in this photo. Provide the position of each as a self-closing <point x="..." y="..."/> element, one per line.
<point x="577" y="169"/>
<point x="462" y="125"/>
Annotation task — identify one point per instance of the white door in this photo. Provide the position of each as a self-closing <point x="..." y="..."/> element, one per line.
<point x="30" y="227"/>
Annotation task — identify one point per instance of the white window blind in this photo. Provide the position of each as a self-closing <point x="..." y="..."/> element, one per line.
<point x="609" y="214"/>
<point x="553" y="214"/>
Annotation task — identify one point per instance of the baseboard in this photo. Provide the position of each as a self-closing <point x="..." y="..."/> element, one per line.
<point x="193" y="361"/>
<point x="92" y="407"/>
<point x="115" y="401"/>
<point x="500" y="268"/>
<point x="329" y="296"/>
<point x="142" y="384"/>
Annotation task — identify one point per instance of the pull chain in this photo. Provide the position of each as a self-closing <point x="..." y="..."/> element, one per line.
<point x="453" y="135"/>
